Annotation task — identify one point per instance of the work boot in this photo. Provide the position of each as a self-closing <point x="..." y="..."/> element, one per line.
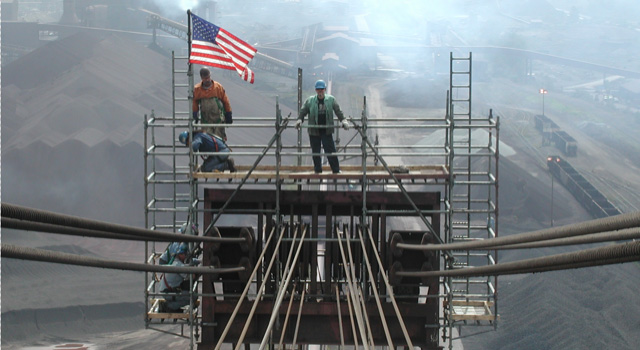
<point x="231" y="164"/>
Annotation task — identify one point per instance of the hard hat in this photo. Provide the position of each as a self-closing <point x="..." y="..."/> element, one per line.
<point x="184" y="136"/>
<point x="320" y="84"/>
<point x="182" y="249"/>
<point x="194" y="228"/>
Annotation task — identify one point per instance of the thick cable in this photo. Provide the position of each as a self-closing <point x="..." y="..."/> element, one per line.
<point x="276" y="307"/>
<point x="9" y="223"/>
<point x="24" y="253"/>
<point x="612" y="223"/>
<point x="609" y="236"/>
<point x="621" y="235"/>
<point x="392" y="297"/>
<point x="372" y="344"/>
<point x="372" y="280"/>
<point x="581" y="265"/>
<point x="613" y="254"/>
<point x="260" y="292"/>
<point x="289" y="265"/>
<point x="356" y="287"/>
<point x="14" y="211"/>
<point x="262" y="289"/>
<point x="286" y="319"/>
<point x="339" y="318"/>
<point x="354" y="302"/>
<point x="353" y="324"/>
<point x="295" y="333"/>
<point x="246" y="289"/>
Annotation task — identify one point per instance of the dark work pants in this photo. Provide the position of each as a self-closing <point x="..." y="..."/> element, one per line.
<point x="329" y="147"/>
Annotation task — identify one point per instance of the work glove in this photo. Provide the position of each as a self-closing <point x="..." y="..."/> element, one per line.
<point x="228" y="118"/>
<point x="195" y="115"/>
<point x="298" y="124"/>
<point x="345" y="124"/>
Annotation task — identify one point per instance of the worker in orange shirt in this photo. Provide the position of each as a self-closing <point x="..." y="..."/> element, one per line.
<point x="211" y="100"/>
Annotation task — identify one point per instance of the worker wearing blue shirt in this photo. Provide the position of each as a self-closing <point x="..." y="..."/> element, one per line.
<point x="204" y="142"/>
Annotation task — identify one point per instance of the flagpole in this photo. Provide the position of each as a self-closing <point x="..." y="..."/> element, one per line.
<point x="189" y="31"/>
<point x="192" y="159"/>
<point x="189" y="72"/>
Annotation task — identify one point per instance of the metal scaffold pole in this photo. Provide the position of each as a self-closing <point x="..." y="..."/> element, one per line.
<point x="436" y="184"/>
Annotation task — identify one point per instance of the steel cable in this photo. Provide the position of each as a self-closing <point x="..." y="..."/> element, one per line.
<point x="357" y="295"/>
<point x="295" y="332"/>
<point x="372" y="344"/>
<point x="372" y="280"/>
<point x="15" y="252"/>
<point x="286" y="318"/>
<point x="246" y="288"/>
<point x="353" y="323"/>
<point x="262" y="288"/>
<point x="276" y="307"/>
<point x="612" y="223"/>
<point x="18" y="212"/>
<point x="579" y="265"/>
<point x="353" y="303"/>
<point x="64" y="230"/>
<point x="621" y="235"/>
<point x="613" y="254"/>
<point x="289" y="265"/>
<point x="339" y="318"/>
<point x="392" y="297"/>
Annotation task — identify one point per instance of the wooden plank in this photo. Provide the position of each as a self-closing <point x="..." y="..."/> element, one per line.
<point x="170" y="315"/>
<point x="473" y="310"/>
<point x="348" y="173"/>
<point x="471" y="303"/>
<point x="457" y="317"/>
<point x="309" y="168"/>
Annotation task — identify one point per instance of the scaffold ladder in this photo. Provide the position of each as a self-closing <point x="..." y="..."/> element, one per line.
<point x="471" y="200"/>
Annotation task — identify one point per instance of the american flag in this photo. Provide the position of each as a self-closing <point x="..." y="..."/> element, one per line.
<point x="214" y="46"/>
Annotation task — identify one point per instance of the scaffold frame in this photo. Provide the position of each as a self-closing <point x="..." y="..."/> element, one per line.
<point x="460" y="168"/>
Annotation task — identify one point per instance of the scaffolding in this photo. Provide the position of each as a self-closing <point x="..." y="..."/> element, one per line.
<point x="440" y="177"/>
<point x="471" y="201"/>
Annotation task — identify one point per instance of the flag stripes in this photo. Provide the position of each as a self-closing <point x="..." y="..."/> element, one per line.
<point x="216" y="47"/>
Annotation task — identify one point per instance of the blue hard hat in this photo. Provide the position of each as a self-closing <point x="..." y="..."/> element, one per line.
<point x="182" y="249"/>
<point x="184" y="136"/>
<point x="320" y="84"/>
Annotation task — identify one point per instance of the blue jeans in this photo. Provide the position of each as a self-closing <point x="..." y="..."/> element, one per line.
<point x="216" y="162"/>
<point x="329" y="147"/>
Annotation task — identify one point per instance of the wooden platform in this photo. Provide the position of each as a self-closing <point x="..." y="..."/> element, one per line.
<point x="152" y="314"/>
<point x="473" y="310"/>
<point x="348" y="172"/>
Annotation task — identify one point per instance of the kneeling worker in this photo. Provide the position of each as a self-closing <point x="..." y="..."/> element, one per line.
<point x="203" y="142"/>
<point x="177" y="284"/>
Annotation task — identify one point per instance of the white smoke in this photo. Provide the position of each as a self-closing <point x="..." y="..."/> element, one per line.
<point x="176" y="7"/>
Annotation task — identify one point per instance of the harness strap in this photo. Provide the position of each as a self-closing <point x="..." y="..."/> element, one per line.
<point x="169" y="288"/>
